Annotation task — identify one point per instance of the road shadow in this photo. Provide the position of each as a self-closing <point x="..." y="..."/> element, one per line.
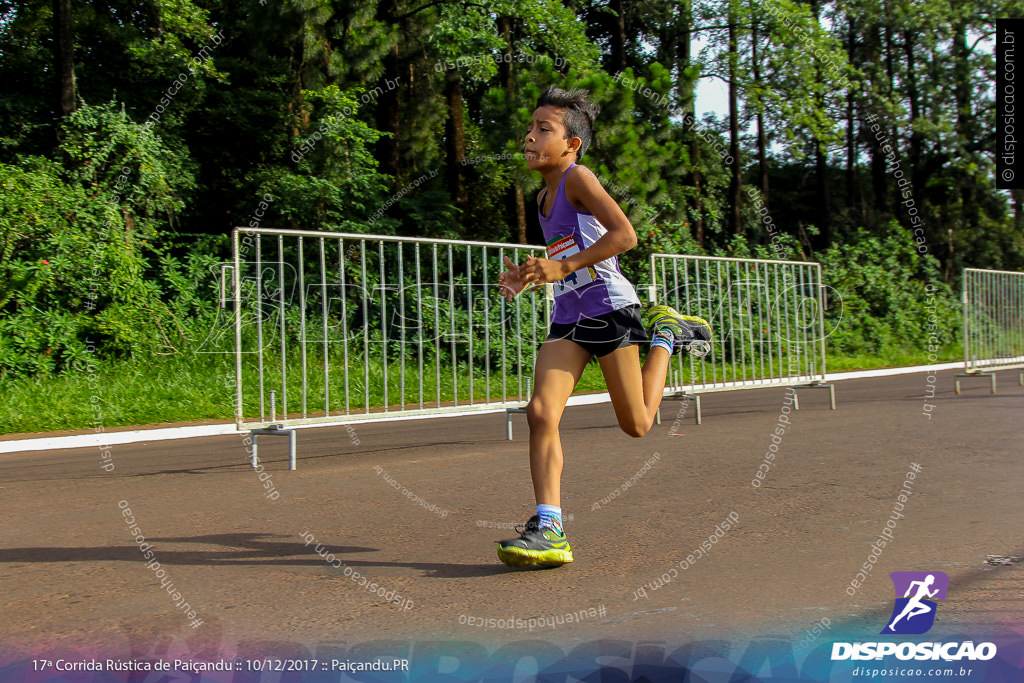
<point x="247" y="549"/>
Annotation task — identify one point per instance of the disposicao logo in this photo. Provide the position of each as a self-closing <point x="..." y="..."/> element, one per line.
<point x="913" y="614"/>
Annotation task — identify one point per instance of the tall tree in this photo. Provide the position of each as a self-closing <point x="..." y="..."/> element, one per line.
<point x="508" y="86"/>
<point x="854" y="192"/>
<point x="754" y="101"/>
<point x="64" y="49"/>
<point x="388" y="105"/>
<point x="821" y="167"/>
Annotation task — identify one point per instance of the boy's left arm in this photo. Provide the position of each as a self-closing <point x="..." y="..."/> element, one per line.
<point x="584" y="191"/>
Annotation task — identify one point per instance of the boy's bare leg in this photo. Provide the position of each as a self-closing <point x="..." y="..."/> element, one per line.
<point x="560" y="363"/>
<point x="635" y="392"/>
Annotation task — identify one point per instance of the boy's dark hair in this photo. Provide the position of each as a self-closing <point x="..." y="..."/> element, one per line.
<point x="578" y="113"/>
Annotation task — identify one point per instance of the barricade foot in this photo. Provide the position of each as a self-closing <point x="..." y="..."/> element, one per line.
<point x="990" y="375"/>
<point x="272" y="430"/>
<point x="508" y="420"/>
<point x="685" y="396"/>
<point x="815" y="385"/>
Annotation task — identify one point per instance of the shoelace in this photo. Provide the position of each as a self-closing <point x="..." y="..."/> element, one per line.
<point x="521" y="529"/>
<point x="530" y="525"/>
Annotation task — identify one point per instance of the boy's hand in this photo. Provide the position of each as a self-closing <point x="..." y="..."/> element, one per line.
<point x="539" y="271"/>
<point x="531" y="275"/>
<point x="511" y="281"/>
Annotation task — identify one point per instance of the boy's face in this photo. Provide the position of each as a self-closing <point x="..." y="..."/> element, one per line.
<point x="546" y="141"/>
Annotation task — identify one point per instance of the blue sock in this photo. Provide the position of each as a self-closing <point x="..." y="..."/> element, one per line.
<point x="550" y="517"/>
<point x="664" y="339"/>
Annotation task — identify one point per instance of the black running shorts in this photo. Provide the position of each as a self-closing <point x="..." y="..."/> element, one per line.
<point x="605" y="333"/>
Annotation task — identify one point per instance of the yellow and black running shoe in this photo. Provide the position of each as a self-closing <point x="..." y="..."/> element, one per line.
<point x="688" y="331"/>
<point x="535" y="547"/>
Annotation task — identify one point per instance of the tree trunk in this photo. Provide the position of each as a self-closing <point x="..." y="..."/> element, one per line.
<point x="824" y="188"/>
<point x="965" y="129"/>
<point x="735" y="180"/>
<point x="890" y="90"/>
<point x="821" y="174"/>
<point x="688" y="103"/>
<point x="520" y="201"/>
<point x="916" y="138"/>
<point x="618" y="36"/>
<point x="505" y="76"/>
<point x="455" y="142"/>
<point x="762" y="142"/>
<point x="387" y="119"/>
<point x="684" y="60"/>
<point x="1018" y="210"/>
<point x="962" y="87"/>
<point x="879" y="182"/>
<point x="698" y="186"/>
<point x="854" y="207"/>
<point x="64" y="52"/>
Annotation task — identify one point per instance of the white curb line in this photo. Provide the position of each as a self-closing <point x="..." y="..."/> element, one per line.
<point x="165" y="433"/>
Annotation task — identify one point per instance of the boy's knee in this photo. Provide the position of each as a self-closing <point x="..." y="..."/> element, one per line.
<point x="538" y="416"/>
<point x="634" y="428"/>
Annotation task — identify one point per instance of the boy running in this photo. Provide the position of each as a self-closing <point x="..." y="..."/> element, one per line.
<point x="596" y="313"/>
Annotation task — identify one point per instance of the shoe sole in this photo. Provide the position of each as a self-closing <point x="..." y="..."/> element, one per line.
<point x="521" y="557"/>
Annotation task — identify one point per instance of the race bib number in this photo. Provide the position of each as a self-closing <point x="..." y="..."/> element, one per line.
<point x="561" y="249"/>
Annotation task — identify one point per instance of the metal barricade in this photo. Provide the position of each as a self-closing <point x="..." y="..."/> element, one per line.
<point x="993" y="324"/>
<point x="767" y="318"/>
<point x="347" y="327"/>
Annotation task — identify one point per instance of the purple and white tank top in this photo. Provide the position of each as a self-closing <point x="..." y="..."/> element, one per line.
<point x="588" y="292"/>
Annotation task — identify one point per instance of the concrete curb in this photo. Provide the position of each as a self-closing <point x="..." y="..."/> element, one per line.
<point x="165" y="433"/>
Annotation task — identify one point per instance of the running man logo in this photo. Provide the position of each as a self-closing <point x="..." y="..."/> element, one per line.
<point x="914" y="612"/>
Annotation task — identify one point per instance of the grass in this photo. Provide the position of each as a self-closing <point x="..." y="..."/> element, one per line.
<point x="195" y="387"/>
<point x="113" y="393"/>
<point x="894" y="358"/>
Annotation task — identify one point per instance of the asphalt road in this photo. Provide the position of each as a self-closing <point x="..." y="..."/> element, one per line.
<point x="416" y="507"/>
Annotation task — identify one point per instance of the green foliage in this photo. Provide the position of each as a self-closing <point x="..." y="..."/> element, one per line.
<point x="80" y="244"/>
<point x="113" y="158"/>
<point x="879" y="296"/>
<point x="51" y="239"/>
<point x="335" y="182"/>
<point x="657" y="235"/>
<point x="805" y="69"/>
